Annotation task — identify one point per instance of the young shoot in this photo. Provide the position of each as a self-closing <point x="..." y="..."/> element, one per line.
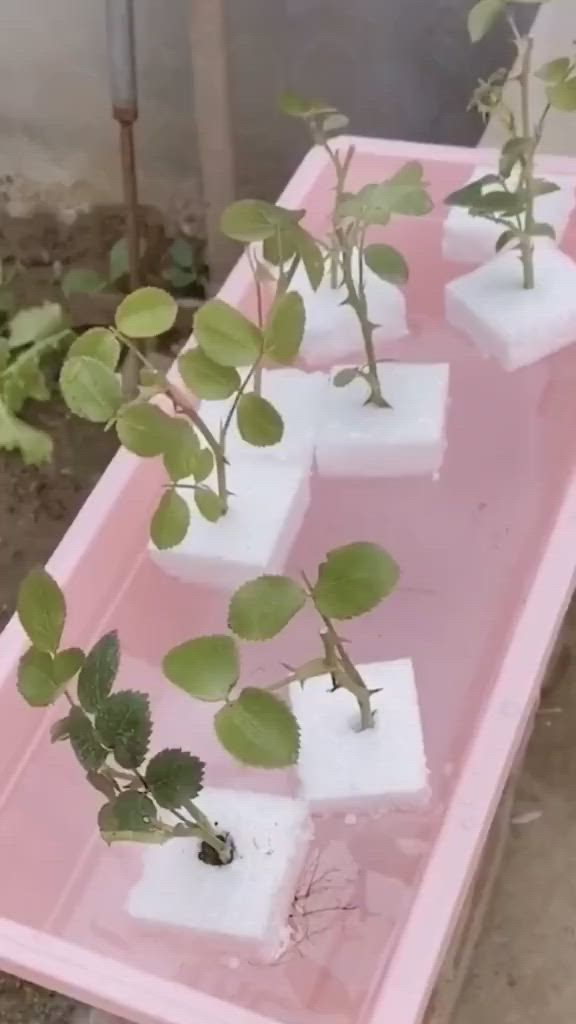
<point x="110" y="732"/>
<point x="509" y="197"/>
<point x="255" y="727"/>
<point x="285" y="243"/>
<point x="192" y="453"/>
<point x="353" y="215"/>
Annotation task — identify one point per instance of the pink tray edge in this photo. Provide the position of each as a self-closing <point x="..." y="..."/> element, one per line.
<point x="414" y="964"/>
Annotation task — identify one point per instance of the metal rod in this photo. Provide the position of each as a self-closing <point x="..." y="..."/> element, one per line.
<point x="130" y="188"/>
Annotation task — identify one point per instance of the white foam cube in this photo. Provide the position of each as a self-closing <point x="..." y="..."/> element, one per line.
<point x="299" y="398"/>
<point x="332" y="329"/>
<point x="267" y="505"/>
<point x="408" y="439"/>
<point x="246" y="902"/>
<point x="340" y="766"/>
<point x="468" y="239"/>
<point x="515" y="325"/>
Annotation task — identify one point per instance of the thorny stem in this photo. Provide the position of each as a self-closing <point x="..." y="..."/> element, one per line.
<point x="526" y="47"/>
<point x="256" y="371"/>
<point x="183" y="405"/>
<point x="344" y="672"/>
<point x="357" y="299"/>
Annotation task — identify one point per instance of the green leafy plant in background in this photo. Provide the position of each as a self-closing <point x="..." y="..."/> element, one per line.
<point x="508" y="197"/>
<point x="182" y="268"/>
<point x="110" y="730"/>
<point x="347" y="250"/>
<point x="226" y="340"/>
<point x="29" y="339"/>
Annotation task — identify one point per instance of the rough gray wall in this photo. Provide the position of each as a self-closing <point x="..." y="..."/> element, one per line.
<point x="401" y="68"/>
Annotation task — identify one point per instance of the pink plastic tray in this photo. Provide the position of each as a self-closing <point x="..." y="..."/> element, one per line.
<point x="488" y="554"/>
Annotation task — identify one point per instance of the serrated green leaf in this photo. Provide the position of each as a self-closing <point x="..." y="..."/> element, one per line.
<point x="24" y="380"/>
<point x="468" y="195"/>
<point x="294" y="105"/>
<point x="124" y="725"/>
<point x="258" y="421"/>
<point x="310" y="254"/>
<point x="170" y="521"/>
<point x="209" y="504"/>
<point x="82" y="279"/>
<point x="36" y="682"/>
<point x="513" y="152"/>
<point x="35" y="446"/>
<point x="146" y="313"/>
<point x="284" y="329"/>
<point x="262" y="608"/>
<point x="206" y="668"/>
<point x="506" y="238"/>
<point x="554" y="71"/>
<point x="482" y="17"/>
<point x="203" y="465"/>
<point x="226" y="336"/>
<point x="354" y="579"/>
<point x="102" y="784"/>
<point x="37" y="322"/>
<point x="544" y="188"/>
<point x="345" y="377"/>
<point x="387" y="263"/>
<point x="259" y="730"/>
<point x="99" y="672"/>
<point x="60" y="730"/>
<point x="98" y="343"/>
<point x="249" y="220"/>
<point x="143" y="428"/>
<point x="563" y="95"/>
<point x="90" y="389"/>
<point x="130" y="817"/>
<point x="182" y="253"/>
<point x="543" y="231"/>
<point x="178" y="278"/>
<point x="42" y="610"/>
<point x="182" y="452"/>
<point x="67" y="664"/>
<point x="119" y="260"/>
<point x="84" y="741"/>
<point x="205" y="378"/>
<point x="507" y="204"/>
<point x="174" y="778"/>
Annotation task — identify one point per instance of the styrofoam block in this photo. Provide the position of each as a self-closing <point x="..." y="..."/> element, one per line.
<point x="468" y="239"/>
<point x="268" y="502"/>
<point x="409" y="439"/>
<point x="299" y="398"/>
<point x="340" y="766"/>
<point x="332" y="329"/>
<point x="246" y="902"/>
<point x="515" y="325"/>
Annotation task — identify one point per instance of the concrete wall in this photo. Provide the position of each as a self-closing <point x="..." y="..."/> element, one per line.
<point x="401" y="68"/>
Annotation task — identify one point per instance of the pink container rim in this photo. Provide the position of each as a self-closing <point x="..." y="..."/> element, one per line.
<point x="403" y="995"/>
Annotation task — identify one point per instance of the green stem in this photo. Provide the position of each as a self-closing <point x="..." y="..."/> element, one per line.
<point x="183" y="405"/>
<point x="222" y="847"/>
<point x="526" y="47"/>
<point x="357" y="299"/>
<point x="341" y="666"/>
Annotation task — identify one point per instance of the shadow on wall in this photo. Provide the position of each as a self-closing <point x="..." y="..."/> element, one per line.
<point x="401" y="69"/>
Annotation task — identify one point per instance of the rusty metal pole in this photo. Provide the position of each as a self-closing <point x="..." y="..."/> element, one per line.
<point x="124" y="96"/>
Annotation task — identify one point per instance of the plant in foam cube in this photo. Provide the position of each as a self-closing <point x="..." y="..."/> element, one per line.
<point x="296" y="395"/>
<point x="333" y="328"/>
<point x="521" y="305"/>
<point x="230" y="538"/>
<point x="360" y="731"/>
<point x="220" y="862"/>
